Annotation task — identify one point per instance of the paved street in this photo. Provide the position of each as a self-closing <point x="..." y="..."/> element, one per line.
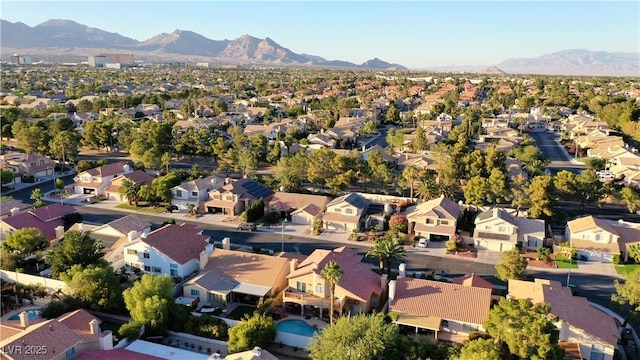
<point x="551" y="148"/>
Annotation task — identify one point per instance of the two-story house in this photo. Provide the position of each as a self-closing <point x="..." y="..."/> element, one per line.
<point x="195" y="192"/>
<point x="138" y="177"/>
<point x="64" y="337"/>
<point x="435" y="220"/>
<point x="443" y="310"/>
<point x="25" y="166"/>
<point x="235" y="196"/>
<point x="600" y="239"/>
<point x="345" y="213"/>
<point x="359" y="290"/>
<point x="595" y="332"/>
<point x="97" y="180"/>
<point x="172" y="250"/>
<point x="497" y="230"/>
<point x="48" y="219"/>
<point x="229" y="275"/>
<point x="115" y="234"/>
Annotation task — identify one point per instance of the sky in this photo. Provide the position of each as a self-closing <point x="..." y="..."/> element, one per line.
<point x="416" y="34"/>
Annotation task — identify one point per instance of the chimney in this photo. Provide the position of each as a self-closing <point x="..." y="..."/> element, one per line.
<point x="402" y="270"/>
<point x="81" y="227"/>
<point x="227" y="181"/>
<point x="131" y="235"/>
<point x="293" y="263"/>
<point x="392" y="290"/>
<point x="14" y="211"/>
<point x="24" y="319"/>
<point x="383" y="281"/>
<point x="106" y="340"/>
<point x="204" y="255"/>
<point x="126" y="168"/>
<point x="94" y="325"/>
<point x="59" y="232"/>
<point x="226" y="243"/>
<point x="364" y="147"/>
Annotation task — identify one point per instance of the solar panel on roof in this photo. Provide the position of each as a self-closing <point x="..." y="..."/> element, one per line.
<point x="257" y="190"/>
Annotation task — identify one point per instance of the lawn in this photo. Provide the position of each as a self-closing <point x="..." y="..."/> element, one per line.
<point x="561" y="264"/>
<point x="625" y="269"/>
<point x="144" y="208"/>
<point x="239" y="312"/>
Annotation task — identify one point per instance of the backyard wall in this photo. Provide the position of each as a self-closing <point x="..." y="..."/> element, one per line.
<point x="299" y="341"/>
<point x="26" y="279"/>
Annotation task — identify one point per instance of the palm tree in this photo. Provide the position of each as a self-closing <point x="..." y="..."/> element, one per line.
<point x="130" y="190"/>
<point x="388" y="249"/>
<point x="409" y="176"/>
<point x="37" y="195"/>
<point x="332" y="273"/>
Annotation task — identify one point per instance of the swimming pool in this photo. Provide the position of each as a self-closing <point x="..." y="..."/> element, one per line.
<point x="297" y="327"/>
<point x="33" y="313"/>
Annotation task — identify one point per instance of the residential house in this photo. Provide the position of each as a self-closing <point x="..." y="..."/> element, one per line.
<point x="172" y="249"/>
<point x="11" y="207"/>
<point x="254" y="354"/>
<point x="195" y="192"/>
<point x="27" y="166"/>
<point x="435" y="220"/>
<point x="359" y="289"/>
<point x="138" y="177"/>
<point x="448" y="311"/>
<point x="115" y="234"/>
<point x="118" y="354"/>
<point x="299" y="208"/>
<point x="497" y="230"/>
<point x="229" y="275"/>
<point x="345" y="213"/>
<point x="235" y="196"/>
<point x="424" y="161"/>
<point x="317" y="141"/>
<point x="272" y="130"/>
<point x="595" y="332"/>
<point x="346" y="128"/>
<point x="56" y="339"/>
<point x="97" y="180"/>
<point x="601" y="239"/>
<point x="48" y="219"/>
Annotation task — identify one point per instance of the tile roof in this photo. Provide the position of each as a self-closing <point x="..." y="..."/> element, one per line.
<point x="473" y="280"/>
<point x="51" y="335"/>
<point x="574" y="310"/>
<point x="253" y="354"/>
<point x="127" y="223"/>
<point x="357" y="278"/>
<point x="9" y="204"/>
<point x="116" y="354"/>
<point x="440" y="207"/>
<point x="78" y="321"/>
<point x="139" y="177"/>
<point x="352" y="199"/>
<point x="25" y="220"/>
<point x="333" y="216"/>
<point x="53" y="211"/>
<point x="439" y="299"/>
<point x="286" y="201"/>
<point x="180" y="243"/>
<point x="245" y="268"/>
<point x="107" y="170"/>
<point x="310" y="209"/>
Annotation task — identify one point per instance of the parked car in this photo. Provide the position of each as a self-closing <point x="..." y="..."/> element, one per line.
<point x="423" y="242"/>
<point x="247" y="226"/>
<point x="172" y="208"/>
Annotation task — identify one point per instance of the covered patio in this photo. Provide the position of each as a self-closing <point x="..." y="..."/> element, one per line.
<point x="312" y="301"/>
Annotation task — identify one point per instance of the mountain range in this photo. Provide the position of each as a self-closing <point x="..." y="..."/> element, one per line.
<point x="56" y="37"/>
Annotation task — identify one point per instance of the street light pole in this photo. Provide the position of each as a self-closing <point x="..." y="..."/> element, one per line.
<point x="569" y="273"/>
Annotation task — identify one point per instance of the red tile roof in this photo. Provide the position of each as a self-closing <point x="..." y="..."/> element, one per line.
<point x="78" y="321"/>
<point x="49" y="335"/>
<point x="178" y="242"/>
<point x="443" y="300"/>
<point x="53" y="211"/>
<point x="26" y="220"/>
<point x="473" y="280"/>
<point x="107" y="170"/>
<point x="357" y="278"/>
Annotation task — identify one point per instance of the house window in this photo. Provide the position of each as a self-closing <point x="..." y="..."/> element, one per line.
<point x="302" y="287"/>
<point x="229" y="198"/>
<point x="444" y="222"/>
<point x="70" y="352"/>
<point x="502" y="229"/>
<point x="147" y="268"/>
<point x="599" y="237"/>
<point x="145" y="255"/>
<point x="157" y="269"/>
<point x="195" y="292"/>
<point x="597" y="352"/>
<point x="173" y="272"/>
<point x="194" y="193"/>
<point x="338" y="210"/>
<point x="429" y="221"/>
<point x="319" y="289"/>
<point x="487" y="227"/>
<point x="348" y="211"/>
<point x="173" y="266"/>
<point x="179" y="193"/>
<point x="132" y="252"/>
<point x="216" y="197"/>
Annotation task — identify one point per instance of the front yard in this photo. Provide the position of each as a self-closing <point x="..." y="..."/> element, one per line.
<point x="562" y="264"/>
<point x="625" y="269"/>
<point x="143" y="208"/>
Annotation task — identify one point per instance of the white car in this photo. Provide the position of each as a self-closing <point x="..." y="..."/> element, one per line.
<point x="423" y="242"/>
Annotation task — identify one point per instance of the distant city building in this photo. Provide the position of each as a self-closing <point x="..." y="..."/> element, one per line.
<point x="119" y="58"/>
<point x="20" y="59"/>
<point x="98" y="61"/>
<point x="176" y="64"/>
<point x="203" y="64"/>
